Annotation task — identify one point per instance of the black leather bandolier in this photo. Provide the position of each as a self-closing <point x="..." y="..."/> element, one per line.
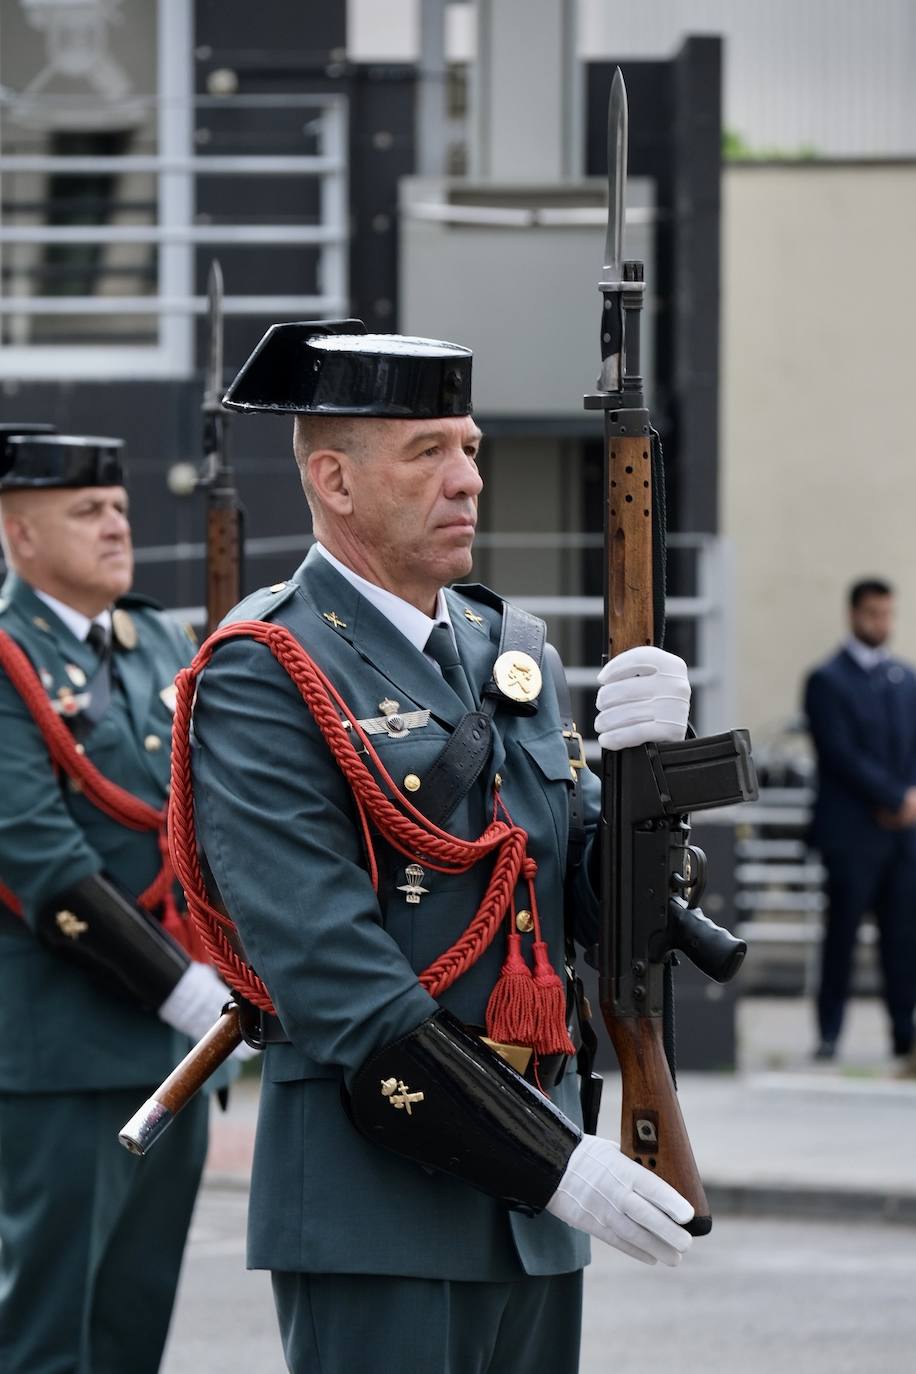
<point x="447" y="782"/>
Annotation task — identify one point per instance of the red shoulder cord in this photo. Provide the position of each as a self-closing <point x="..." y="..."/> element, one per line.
<point x="525" y="1007"/>
<point x="122" y="806"/>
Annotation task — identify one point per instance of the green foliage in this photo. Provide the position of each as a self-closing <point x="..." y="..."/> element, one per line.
<point x="735" y="148"/>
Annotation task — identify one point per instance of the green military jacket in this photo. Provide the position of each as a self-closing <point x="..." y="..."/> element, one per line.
<point x="59" y="1030"/>
<point x="278" y="825"/>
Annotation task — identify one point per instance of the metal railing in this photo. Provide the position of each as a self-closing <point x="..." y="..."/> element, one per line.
<point x="174" y="237"/>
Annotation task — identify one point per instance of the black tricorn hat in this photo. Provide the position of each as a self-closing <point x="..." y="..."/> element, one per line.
<point x="334" y="367"/>
<point x="9" y="429"/>
<point x="43" y="458"/>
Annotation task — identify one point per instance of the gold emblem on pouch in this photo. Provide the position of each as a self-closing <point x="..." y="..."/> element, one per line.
<point x="412" y="889"/>
<point x="399" y="1095"/>
<point x="517" y="676"/>
<point x="70" y="925"/>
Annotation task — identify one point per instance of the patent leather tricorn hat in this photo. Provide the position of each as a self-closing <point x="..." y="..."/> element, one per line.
<point x="44" y="459"/>
<point x="9" y="429"/>
<point x="334" y="367"/>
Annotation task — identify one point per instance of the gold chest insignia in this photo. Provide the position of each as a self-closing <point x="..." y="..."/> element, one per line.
<point x="517" y="676"/>
<point x="124" y="629"/>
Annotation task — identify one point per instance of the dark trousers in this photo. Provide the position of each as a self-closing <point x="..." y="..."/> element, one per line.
<point x="91" y="1238"/>
<point x="341" y="1323"/>
<point x="882" y="882"/>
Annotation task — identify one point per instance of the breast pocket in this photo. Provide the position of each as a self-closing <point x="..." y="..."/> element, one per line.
<point x="548" y="766"/>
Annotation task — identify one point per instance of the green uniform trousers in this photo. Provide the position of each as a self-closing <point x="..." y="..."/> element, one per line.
<point x="343" y="1323"/>
<point x="91" y="1238"/>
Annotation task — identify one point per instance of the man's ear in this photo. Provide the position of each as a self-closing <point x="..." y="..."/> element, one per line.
<point x="327" y="473"/>
<point x="19" y="534"/>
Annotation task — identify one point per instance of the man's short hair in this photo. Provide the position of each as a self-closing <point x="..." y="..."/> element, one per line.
<point x="868" y="586"/>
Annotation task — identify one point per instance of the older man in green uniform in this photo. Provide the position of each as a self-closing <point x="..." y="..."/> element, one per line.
<point x="98" y="998"/>
<point x="423" y="1207"/>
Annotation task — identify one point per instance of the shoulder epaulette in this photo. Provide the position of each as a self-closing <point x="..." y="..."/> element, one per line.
<point x="133" y="601"/>
<point x="262" y="604"/>
<point x="476" y="591"/>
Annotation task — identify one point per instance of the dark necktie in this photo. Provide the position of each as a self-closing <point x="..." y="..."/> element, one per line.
<point x="97" y="637"/>
<point x="440" y="646"/>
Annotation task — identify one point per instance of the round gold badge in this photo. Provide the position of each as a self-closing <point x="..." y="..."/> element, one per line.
<point x="124" y="629"/>
<point x="517" y="676"/>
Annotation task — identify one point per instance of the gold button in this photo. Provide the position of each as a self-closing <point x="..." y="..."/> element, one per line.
<point x="498" y="781"/>
<point x="152" y="743"/>
<point x="278" y="587"/>
<point x="412" y="782"/>
<point x="524" y="921"/>
<point x="80" y="748"/>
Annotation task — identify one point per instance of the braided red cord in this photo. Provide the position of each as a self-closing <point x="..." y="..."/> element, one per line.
<point x="394" y="815"/>
<point x="107" y="796"/>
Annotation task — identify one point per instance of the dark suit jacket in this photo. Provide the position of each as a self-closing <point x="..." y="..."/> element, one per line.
<point x="864" y="730"/>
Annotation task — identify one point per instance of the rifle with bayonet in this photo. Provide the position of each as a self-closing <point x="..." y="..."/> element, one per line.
<point x="225" y="542"/>
<point x="652" y="877"/>
<point x="225" y="535"/>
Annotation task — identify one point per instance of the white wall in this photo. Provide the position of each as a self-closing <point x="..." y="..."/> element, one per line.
<point x="833" y="74"/>
<point x="819" y="410"/>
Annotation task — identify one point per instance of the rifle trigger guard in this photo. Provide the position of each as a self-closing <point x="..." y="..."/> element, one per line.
<point x="691" y="884"/>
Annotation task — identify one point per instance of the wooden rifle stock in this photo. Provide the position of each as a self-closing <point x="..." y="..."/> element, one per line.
<point x="636" y="876"/>
<point x="224" y="553"/>
<point x="652" y="1128"/>
<point x="145" y="1127"/>
<point x="224" y="514"/>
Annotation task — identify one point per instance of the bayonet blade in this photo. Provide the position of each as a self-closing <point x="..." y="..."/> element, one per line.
<point x="616" y="177"/>
<point x="213" y="394"/>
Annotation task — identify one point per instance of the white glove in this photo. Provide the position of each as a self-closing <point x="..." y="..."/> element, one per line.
<point x="195" y="1004"/>
<point x="644" y="696"/>
<point x="605" y="1193"/>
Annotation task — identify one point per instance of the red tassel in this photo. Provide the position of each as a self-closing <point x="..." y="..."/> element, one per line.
<point x="511" y="1010"/>
<point x="551" y="1034"/>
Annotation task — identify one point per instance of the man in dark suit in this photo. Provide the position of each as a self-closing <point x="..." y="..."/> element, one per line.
<point x="861" y="709"/>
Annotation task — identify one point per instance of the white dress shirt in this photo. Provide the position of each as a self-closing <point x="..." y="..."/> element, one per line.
<point x="412" y="623"/>
<point x="77" y="623"/>
<point x="866" y="655"/>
